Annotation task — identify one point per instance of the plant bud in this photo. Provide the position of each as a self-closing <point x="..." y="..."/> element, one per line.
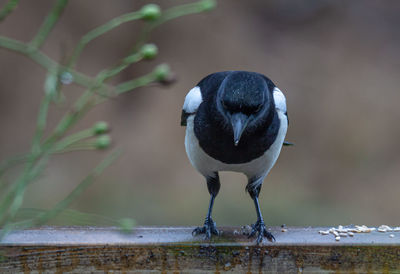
<point x="103" y="141"/>
<point x="162" y="72"/>
<point x="100" y="127"/>
<point x="150" y="12"/>
<point x="149" y="51"/>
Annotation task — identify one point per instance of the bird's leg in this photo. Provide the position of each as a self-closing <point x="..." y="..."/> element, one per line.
<point x="209" y="227"/>
<point x="259" y="226"/>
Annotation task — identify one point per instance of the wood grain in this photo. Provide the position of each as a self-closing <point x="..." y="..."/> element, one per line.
<point x="174" y="249"/>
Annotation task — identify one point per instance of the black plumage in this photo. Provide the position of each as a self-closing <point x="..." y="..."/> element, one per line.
<point x="236" y="122"/>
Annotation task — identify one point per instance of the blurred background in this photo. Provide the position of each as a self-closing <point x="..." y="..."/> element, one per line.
<point x="338" y="63"/>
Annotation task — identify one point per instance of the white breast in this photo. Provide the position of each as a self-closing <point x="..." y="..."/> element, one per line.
<point x="257" y="168"/>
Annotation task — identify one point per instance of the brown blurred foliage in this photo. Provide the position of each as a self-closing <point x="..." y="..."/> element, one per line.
<point x="338" y="62"/>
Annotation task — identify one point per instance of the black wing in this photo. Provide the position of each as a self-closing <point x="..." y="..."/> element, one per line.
<point x="208" y="86"/>
<point x="184" y="117"/>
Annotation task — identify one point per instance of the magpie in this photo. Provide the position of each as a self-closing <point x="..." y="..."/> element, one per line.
<point x="235" y="121"/>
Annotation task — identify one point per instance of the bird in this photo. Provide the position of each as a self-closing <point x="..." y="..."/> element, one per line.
<point x="235" y="121"/>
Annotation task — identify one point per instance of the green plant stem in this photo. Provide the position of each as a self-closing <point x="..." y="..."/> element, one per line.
<point x="135" y="83"/>
<point x="179" y="11"/>
<point x="91" y="35"/>
<point x="74" y="142"/>
<point x="111" y="72"/>
<point x="12" y="201"/>
<point x="48" y="24"/>
<point x="167" y="15"/>
<point x="41" y="151"/>
<point x="84" y="103"/>
<point x="77" y="147"/>
<point x="73" y="138"/>
<point x="87" y="100"/>
<point x="46" y="62"/>
<point x="12" y="161"/>
<point x="8" y="8"/>
<point x="44" y="217"/>
<point x="143" y="36"/>
<point x="8" y="199"/>
<point x="41" y="122"/>
<point x="3" y="185"/>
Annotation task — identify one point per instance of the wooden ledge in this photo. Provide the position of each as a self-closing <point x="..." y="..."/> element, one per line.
<point x="88" y="249"/>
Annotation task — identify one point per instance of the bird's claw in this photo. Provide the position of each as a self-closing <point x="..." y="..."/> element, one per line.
<point x="260" y="228"/>
<point x="208" y="229"/>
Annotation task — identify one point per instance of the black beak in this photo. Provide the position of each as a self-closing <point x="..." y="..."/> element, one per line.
<point x="239" y="122"/>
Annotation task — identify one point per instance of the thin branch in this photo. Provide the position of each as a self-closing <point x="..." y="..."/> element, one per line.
<point x="167" y="15"/>
<point x="44" y="217"/>
<point x="48" y="24"/>
<point x="6" y="164"/>
<point x="135" y="83"/>
<point x="91" y="35"/>
<point x="12" y="201"/>
<point x="86" y="101"/>
<point x="46" y="62"/>
<point x="41" y="122"/>
<point x="111" y="72"/>
<point x="36" y="161"/>
<point x="73" y="138"/>
<point x="185" y="9"/>
<point x="8" y="8"/>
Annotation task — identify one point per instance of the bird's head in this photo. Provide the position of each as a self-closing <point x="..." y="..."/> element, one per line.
<point x="244" y="101"/>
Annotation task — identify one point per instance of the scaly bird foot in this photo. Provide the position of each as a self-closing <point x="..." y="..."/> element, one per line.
<point x="259" y="227"/>
<point x="208" y="229"/>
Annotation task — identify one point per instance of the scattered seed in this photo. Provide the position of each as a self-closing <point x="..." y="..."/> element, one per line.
<point x="341" y="231"/>
<point x="385" y="227"/>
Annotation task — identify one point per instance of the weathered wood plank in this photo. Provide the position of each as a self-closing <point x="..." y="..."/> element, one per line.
<point x="174" y="249"/>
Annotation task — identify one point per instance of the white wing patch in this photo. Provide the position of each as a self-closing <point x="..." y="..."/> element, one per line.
<point x="192" y="100"/>
<point x="280" y="100"/>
